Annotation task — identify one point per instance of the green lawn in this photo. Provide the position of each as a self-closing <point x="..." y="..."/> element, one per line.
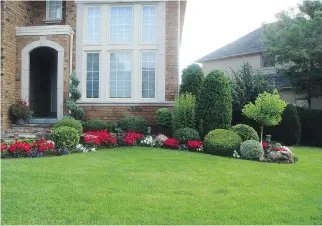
<point x="157" y="186"/>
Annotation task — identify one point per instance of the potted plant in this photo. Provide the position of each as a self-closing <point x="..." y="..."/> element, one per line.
<point x="21" y="111"/>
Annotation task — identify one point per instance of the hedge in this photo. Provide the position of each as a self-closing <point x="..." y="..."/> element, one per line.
<point x="311" y="126"/>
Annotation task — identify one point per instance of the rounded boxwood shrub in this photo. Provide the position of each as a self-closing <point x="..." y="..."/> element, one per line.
<point x="76" y="124"/>
<point x="222" y="142"/>
<point x="164" y="117"/>
<point x="245" y="132"/>
<point x="65" y="136"/>
<point x="251" y="149"/>
<point x="98" y="124"/>
<point x="134" y="124"/>
<point x="192" y="79"/>
<point x="214" y="103"/>
<point x="186" y="134"/>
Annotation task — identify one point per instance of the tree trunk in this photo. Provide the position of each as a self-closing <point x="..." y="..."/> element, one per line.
<point x="262" y="130"/>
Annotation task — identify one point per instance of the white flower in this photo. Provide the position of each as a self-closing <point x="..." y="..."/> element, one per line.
<point x="92" y="149"/>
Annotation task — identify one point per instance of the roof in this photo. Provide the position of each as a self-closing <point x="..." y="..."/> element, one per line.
<point x="250" y="43"/>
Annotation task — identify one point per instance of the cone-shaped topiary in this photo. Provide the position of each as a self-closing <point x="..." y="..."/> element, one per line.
<point x="214" y="103"/>
<point x="192" y="79"/>
<point x="75" y="111"/>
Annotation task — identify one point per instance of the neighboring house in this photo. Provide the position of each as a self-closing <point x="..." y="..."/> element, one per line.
<point x="250" y="49"/>
<point x="124" y="52"/>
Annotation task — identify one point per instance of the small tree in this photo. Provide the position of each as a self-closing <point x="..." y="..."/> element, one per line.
<point x="184" y="111"/>
<point x="214" y="107"/>
<point x="267" y="110"/>
<point x="192" y="79"/>
<point x="164" y="119"/>
<point x="75" y="111"/>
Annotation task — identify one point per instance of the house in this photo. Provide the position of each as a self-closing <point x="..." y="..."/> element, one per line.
<point x="250" y="49"/>
<point x="124" y="52"/>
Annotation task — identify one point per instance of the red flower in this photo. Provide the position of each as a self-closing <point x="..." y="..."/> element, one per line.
<point x="194" y="144"/>
<point x="20" y="147"/>
<point x="171" y="142"/>
<point x="3" y="147"/>
<point x="265" y="144"/>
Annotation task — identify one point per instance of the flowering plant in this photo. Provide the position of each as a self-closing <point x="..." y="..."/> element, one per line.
<point x="4" y="150"/>
<point x="21" y="110"/>
<point x="236" y="155"/>
<point x="195" y="145"/>
<point x="171" y="143"/>
<point x="43" y="145"/>
<point x="19" y="148"/>
<point x="131" y="138"/>
<point x="99" y="138"/>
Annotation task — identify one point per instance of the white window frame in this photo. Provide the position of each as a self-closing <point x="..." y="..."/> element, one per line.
<point x="262" y="63"/>
<point x="105" y="48"/>
<point x="47" y="11"/>
<point x="142" y="27"/>
<point x="84" y="84"/>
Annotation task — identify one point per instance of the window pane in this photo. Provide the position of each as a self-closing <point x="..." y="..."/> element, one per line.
<point x="120" y="75"/>
<point x="93" y="25"/>
<point x="268" y="61"/>
<point x="54" y="10"/>
<point x="148" y="75"/>
<point x="121" y="24"/>
<point x="92" y="75"/>
<point x="149" y="24"/>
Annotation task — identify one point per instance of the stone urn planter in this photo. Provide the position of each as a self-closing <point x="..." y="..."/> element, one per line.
<point x="20" y="121"/>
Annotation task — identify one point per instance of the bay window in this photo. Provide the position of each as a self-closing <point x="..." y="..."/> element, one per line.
<point x="120" y="52"/>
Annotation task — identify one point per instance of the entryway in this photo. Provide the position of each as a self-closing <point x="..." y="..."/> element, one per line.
<point x="43" y="82"/>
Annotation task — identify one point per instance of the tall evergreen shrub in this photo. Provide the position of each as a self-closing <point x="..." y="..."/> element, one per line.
<point x="192" y="79"/>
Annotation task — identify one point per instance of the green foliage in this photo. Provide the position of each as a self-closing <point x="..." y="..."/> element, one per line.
<point x="134" y="124"/>
<point x="289" y="130"/>
<point x="164" y="117"/>
<point x="65" y="136"/>
<point x="192" y="79"/>
<point x="98" y="124"/>
<point x="214" y="103"/>
<point x="75" y="110"/>
<point x="246" y="84"/>
<point x="184" y="111"/>
<point x="21" y="110"/>
<point x="186" y="134"/>
<point x="311" y="126"/>
<point x="251" y="149"/>
<point x="245" y="132"/>
<point x="222" y="142"/>
<point x="267" y="110"/>
<point x="296" y="38"/>
<point x="76" y="124"/>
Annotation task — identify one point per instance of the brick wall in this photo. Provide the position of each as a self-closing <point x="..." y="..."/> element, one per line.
<point x="40" y="14"/>
<point x="13" y="13"/>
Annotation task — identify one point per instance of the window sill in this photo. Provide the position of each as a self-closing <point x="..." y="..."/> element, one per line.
<point x="129" y="103"/>
<point x="53" y="21"/>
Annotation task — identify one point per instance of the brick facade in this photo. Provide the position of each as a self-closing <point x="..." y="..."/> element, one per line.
<point x="26" y="13"/>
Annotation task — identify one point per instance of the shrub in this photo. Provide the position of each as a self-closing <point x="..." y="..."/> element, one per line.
<point x="97" y="125"/>
<point x="164" y="117"/>
<point x="186" y="134"/>
<point x="65" y="136"/>
<point x="214" y="107"/>
<point x="133" y="123"/>
<point x="21" y="110"/>
<point x="245" y="132"/>
<point x="251" y="149"/>
<point x="184" y="111"/>
<point x="76" y="124"/>
<point x="289" y="130"/>
<point x="192" y="79"/>
<point x="311" y="126"/>
<point x="222" y="142"/>
<point x="75" y="110"/>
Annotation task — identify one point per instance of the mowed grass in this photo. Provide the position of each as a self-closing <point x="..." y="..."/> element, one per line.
<point x="158" y="186"/>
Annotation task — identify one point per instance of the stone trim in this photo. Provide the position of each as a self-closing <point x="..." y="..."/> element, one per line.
<point x="44" y="30"/>
<point x="166" y="104"/>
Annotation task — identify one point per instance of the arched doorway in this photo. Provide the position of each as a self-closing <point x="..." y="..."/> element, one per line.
<point x="43" y="82"/>
<point x="42" y="78"/>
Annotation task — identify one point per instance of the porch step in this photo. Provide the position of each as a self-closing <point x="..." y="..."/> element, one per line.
<point x="40" y="121"/>
<point x="25" y="131"/>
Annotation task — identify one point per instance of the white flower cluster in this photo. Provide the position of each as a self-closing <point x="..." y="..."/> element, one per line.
<point x="50" y="142"/>
<point x="82" y="148"/>
<point x="286" y="149"/>
<point x="236" y="155"/>
<point x="148" y="141"/>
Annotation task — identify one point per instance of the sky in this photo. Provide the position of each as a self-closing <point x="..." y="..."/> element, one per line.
<point x="211" y="24"/>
